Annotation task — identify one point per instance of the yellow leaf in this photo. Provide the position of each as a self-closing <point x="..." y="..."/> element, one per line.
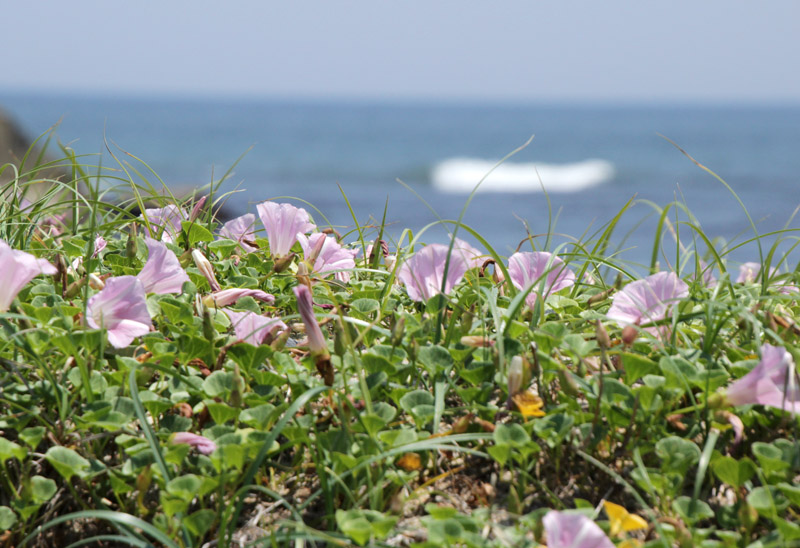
<point x="630" y="543"/>
<point x="529" y="404"/>
<point x="409" y="462"/>
<point x="621" y="519"/>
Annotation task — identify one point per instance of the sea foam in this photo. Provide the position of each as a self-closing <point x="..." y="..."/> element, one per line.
<point x="460" y="175"/>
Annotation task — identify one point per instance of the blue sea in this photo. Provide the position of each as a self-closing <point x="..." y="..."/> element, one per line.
<point x="591" y="159"/>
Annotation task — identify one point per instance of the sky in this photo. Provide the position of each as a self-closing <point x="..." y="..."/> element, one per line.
<point x="514" y="50"/>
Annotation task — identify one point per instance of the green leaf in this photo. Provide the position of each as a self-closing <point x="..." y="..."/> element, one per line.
<point x="365" y="306"/>
<point x="200" y="522"/>
<point x="636" y="367"/>
<point x="221" y="412"/>
<point x="553" y="428"/>
<point x="362" y="525"/>
<point x="9" y="449"/>
<point x="415" y="398"/>
<point x="196" y="233"/>
<point x="219" y="384"/>
<point x="512" y="434"/>
<point x="67" y="462"/>
<point x="7" y="518"/>
<point x="769" y="501"/>
<point x="500" y="453"/>
<point x="792" y="492"/>
<point x="436" y="359"/>
<point x="734" y="473"/>
<point x="701" y="510"/>
<point x="184" y="487"/>
<point x="42" y="489"/>
<point x="677" y="454"/>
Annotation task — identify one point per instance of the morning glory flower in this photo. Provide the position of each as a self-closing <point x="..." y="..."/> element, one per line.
<point x="749" y="272"/>
<point x="120" y="308"/>
<point x="241" y="231"/>
<point x="423" y="273"/>
<point x="305" y="307"/>
<point x="527" y="269"/>
<point x="206" y="269"/>
<point x="168" y="219"/>
<point x="201" y="443"/>
<point x="18" y="268"/>
<point x="228" y="297"/>
<point x="327" y="255"/>
<point x="283" y="222"/>
<point x="162" y="273"/>
<point x="473" y="257"/>
<point x="648" y="300"/>
<point x="572" y="530"/>
<point x="773" y="382"/>
<point x="253" y="328"/>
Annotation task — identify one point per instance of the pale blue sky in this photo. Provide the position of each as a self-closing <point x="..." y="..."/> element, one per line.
<point x="584" y="50"/>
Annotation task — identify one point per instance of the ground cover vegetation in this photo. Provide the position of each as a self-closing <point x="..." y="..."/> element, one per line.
<point x="169" y="379"/>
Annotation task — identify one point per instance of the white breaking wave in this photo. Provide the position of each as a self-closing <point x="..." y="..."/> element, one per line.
<point x="462" y="174"/>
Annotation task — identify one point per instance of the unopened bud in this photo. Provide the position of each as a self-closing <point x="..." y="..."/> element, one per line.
<point x="603" y="340"/>
<point x="131" y="246"/>
<point x="205" y="268"/>
<point x="74" y="288"/>
<point x="568" y="384"/>
<point x="398" y="329"/>
<point x="283" y="263"/>
<point x="95" y="282"/>
<point x="515" y="376"/>
<point x="280" y="341"/>
<point x="209" y="331"/>
<point x="198" y="207"/>
<point x="629" y="334"/>
<point x="476" y="341"/>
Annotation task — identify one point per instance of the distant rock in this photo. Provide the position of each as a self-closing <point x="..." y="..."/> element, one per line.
<point x="14" y="144"/>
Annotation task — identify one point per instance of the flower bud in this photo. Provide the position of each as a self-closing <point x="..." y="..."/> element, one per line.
<point x="205" y="268"/>
<point x="198" y="207"/>
<point x="95" y="282"/>
<point x="398" y="330"/>
<point x="283" y="263"/>
<point x="629" y="334"/>
<point x="603" y="340"/>
<point x="476" y="341"/>
<point x="305" y="307"/>
<point x="515" y="376"/>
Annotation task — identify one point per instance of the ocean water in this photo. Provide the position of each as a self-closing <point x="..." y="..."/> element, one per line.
<point x="591" y="159"/>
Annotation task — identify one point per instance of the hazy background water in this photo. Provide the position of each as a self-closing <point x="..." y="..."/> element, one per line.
<point x="307" y="149"/>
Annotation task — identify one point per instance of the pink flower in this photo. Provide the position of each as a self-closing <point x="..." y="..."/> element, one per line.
<point x="228" y="297"/>
<point x="99" y="245"/>
<point x="18" y="268"/>
<point x="423" y="273"/>
<point x="528" y="269"/>
<point x="707" y="275"/>
<point x="305" y="307"/>
<point x="162" y="273"/>
<point x="648" y="300"/>
<point x="569" y="530"/>
<point x="327" y="255"/>
<point x="773" y="382"/>
<point x="166" y="218"/>
<point x="121" y="309"/>
<point x="205" y="268"/>
<point x="239" y="230"/>
<point x="473" y="257"/>
<point x="201" y="443"/>
<point x="283" y="222"/>
<point x="253" y="328"/>
<point x="748" y="272"/>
